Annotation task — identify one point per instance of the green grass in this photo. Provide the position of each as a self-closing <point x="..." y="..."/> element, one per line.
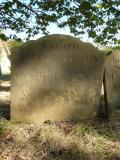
<point x="89" y="140"/>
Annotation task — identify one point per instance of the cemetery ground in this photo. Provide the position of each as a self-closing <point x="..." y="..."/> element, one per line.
<point x="87" y="140"/>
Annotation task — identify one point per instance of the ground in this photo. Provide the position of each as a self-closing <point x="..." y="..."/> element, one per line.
<point x="89" y="140"/>
<point x="85" y="140"/>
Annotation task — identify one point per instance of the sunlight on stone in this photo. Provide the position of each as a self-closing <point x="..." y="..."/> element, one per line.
<point x="5" y="65"/>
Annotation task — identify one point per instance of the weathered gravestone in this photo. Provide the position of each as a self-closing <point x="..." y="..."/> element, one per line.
<point x="56" y="77"/>
<point x="112" y="68"/>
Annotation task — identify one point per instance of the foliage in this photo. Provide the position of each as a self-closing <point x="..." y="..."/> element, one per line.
<point x="112" y="48"/>
<point x="100" y="18"/>
<point x="14" y="43"/>
<point x="116" y="47"/>
<point x="2" y="36"/>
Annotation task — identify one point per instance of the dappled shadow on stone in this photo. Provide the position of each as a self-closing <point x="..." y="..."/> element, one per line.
<point x="52" y="81"/>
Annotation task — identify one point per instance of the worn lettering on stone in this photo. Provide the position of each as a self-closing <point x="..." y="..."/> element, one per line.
<point x="60" y="77"/>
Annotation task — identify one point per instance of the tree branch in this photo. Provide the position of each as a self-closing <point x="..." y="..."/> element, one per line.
<point x="29" y="8"/>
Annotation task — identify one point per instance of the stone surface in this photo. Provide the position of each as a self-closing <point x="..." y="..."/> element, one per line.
<point x="56" y="77"/>
<point x="112" y="67"/>
<point x="4" y="61"/>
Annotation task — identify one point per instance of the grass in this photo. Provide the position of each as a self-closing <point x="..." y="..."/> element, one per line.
<point x="89" y="140"/>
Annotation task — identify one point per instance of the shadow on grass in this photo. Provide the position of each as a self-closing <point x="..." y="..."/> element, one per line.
<point x="4" y="103"/>
<point x="59" y="145"/>
<point x="5" y="77"/>
<point x="51" y="148"/>
<point x="5" y="111"/>
<point x="61" y="141"/>
<point x="108" y="129"/>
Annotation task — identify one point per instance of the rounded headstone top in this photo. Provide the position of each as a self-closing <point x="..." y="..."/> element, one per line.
<point x="57" y="40"/>
<point x="64" y="39"/>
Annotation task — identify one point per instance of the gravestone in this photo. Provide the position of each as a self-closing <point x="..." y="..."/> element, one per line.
<point x="56" y="77"/>
<point x="4" y="61"/>
<point x="112" y="67"/>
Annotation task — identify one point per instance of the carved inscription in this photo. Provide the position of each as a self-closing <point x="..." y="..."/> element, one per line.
<point x="55" y="66"/>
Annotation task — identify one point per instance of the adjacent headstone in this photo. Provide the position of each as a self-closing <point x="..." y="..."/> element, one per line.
<point x="56" y="77"/>
<point x="112" y="68"/>
<point x="4" y="61"/>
